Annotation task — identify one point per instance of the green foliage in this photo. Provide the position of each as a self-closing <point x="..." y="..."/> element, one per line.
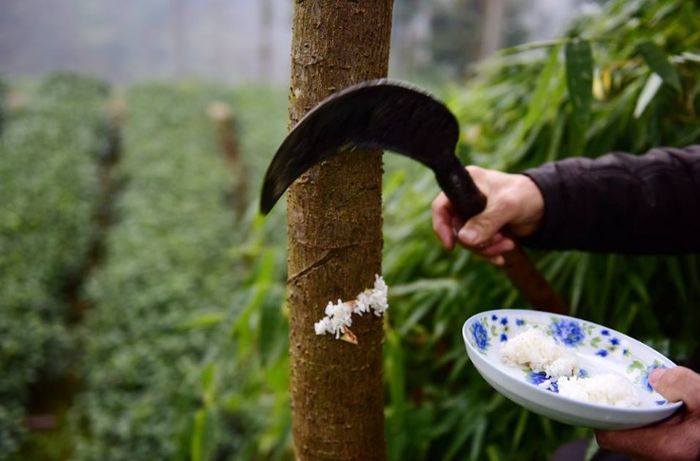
<point x="579" y="83"/>
<point x="182" y="278"/>
<point x="496" y="110"/>
<point x="185" y="348"/>
<point x="575" y="96"/>
<point x="658" y="62"/>
<point x="260" y="113"/>
<point x="48" y="159"/>
<point x="524" y="108"/>
<point x="252" y="352"/>
<point x="168" y="283"/>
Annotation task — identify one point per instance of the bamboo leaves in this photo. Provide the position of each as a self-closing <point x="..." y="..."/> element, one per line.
<point x="659" y="63"/>
<point x="543" y="91"/>
<point x="270" y="311"/>
<point x="579" y="80"/>
<point x="663" y="71"/>
<point x="636" y="108"/>
<point x="579" y="76"/>
<point x="651" y="86"/>
<point x="541" y="108"/>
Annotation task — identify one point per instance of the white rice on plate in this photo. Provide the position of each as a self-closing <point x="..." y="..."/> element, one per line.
<point x="540" y="353"/>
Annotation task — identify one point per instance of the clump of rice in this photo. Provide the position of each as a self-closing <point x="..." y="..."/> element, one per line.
<point x="540" y="353"/>
<point x="605" y="388"/>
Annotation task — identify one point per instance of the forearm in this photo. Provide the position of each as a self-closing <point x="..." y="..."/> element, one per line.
<point x="621" y="203"/>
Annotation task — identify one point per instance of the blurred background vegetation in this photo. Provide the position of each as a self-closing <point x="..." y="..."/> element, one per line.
<point x="142" y="309"/>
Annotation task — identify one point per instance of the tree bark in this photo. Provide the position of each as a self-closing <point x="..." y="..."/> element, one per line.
<point x="265" y="40"/>
<point x="491" y="33"/>
<point x="179" y="28"/>
<point x="229" y="145"/>
<point x="334" y="233"/>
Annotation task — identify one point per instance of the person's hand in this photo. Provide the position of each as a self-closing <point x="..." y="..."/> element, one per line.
<point x="512" y="199"/>
<point x="676" y="438"/>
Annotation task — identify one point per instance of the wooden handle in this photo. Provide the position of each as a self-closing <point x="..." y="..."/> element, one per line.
<point x="468" y="201"/>
<point x="530" y="282"/>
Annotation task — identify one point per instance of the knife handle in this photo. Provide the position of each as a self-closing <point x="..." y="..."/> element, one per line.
<point x="468" y="201"/>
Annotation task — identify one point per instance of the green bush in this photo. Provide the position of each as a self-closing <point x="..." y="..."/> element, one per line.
<point x="168" y="284"/>
<point x="49" y="189"/>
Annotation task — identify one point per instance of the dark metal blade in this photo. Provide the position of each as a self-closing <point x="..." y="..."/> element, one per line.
<point x="372" y="115"/>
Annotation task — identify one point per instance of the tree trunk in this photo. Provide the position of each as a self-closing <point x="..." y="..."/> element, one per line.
<point x="335" y="238"/>
<point x="179" y="28"/>
<point x="265" y="40"/>
<point x="492" y="27"/>
<point x="229" y="145"/>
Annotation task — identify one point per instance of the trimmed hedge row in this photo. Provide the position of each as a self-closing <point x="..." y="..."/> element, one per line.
<point x="49" y="190"/>
<point x="160" y="299"/>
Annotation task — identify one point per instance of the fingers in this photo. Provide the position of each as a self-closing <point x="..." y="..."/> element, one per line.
<point x="443" y="217"/>
<point x="496" y="260"/>
<point x="642" y="443"/>
<point x="678" y="383"/>
<point x="497" y="246"/>
<point x="482" y="228"/>
<point x="494" y="249"/>
<point x="676" y="438"/>
<point x="513" y="200"/>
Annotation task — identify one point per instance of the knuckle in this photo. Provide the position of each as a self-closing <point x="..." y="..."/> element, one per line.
<point x="482" y="223"/>
<point x="486" y="230"/>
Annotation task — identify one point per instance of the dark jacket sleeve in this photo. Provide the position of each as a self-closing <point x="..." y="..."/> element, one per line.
<point x="647" y="204"/>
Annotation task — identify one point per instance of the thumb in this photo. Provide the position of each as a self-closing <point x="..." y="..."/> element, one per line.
<point x="678" y="383"/>
<point x="481" y="228"/>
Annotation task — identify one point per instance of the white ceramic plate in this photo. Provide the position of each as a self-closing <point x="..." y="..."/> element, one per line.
<point x="599" y="350"/>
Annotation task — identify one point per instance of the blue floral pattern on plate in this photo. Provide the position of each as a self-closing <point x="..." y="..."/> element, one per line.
<point x="568" y="332"/>
<point x="543" y="380"/>
<point x="480" y="335"/>
<point x="647" y="372"/>
<point x="494" y="327"/>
